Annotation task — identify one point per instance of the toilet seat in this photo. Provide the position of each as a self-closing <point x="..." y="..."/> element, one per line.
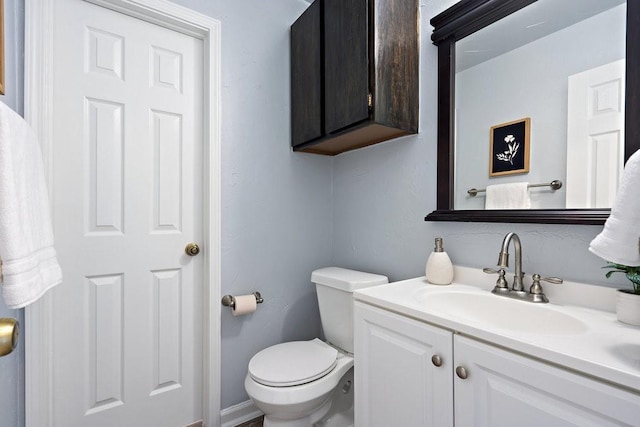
<point x="293" y="363"/>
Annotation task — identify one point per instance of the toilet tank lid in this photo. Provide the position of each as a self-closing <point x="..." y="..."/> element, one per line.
<point x="345" y="279"/>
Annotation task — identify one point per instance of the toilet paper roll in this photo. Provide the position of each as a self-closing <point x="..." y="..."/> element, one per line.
<point x="245" y="304"/>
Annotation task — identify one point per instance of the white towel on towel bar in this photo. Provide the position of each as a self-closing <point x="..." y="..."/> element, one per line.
<point x="619" y="241"/>
<point x="29" y="263"/>
<point x="508" y="196"/>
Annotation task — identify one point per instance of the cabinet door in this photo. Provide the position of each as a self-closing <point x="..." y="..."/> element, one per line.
<point x="346" y="66"/>
<point x="396" y="382"/>
<point x="504" y="389"/>
<point x="306" y="76"/>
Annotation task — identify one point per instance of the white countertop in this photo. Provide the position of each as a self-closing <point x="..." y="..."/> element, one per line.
<point x="602" y="347"/>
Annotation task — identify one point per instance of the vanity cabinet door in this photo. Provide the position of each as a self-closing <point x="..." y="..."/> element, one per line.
<point x="396" y="381"/>
<point x="506" y="389"/>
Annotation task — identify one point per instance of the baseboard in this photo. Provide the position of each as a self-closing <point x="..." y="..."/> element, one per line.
<point x="238" y="414"/>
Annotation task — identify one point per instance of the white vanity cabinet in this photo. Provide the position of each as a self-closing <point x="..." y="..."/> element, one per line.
<point x="398" y="384"/>
<point x="503" y="388"/>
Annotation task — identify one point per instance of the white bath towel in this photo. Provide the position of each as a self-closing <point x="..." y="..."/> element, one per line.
<point x="29" y="264"/>
<point x="619" y="241"/>
<point x="508" y="196"/>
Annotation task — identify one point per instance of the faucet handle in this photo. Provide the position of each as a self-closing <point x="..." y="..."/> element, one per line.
<point x="501" y="283"/>
<point x="536" y="289"/>
<point x="555" y="280"/>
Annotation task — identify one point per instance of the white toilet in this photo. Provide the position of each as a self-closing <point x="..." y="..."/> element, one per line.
<point x="305" y="383"/>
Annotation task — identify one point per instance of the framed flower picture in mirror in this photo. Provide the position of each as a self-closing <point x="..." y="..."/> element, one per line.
<point x="509" y="150"/>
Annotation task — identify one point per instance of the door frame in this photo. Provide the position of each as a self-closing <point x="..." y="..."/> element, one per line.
<point x="38" y="106"/>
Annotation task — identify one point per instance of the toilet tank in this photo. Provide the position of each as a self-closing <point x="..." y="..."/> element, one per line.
<point x="335" y="286"/>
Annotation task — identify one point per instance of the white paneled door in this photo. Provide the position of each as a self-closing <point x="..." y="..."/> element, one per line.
<point x="128" y="197"/>
<point x="595" y="135"/>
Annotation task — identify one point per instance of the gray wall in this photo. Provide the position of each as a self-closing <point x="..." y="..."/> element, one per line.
<point x="276" y="212"/>
<point x="12" y="366"/>
<point x="383" y="192"/>
<point x="285" y="214"/>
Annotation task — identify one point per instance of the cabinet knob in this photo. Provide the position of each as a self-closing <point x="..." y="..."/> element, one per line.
<point x="436" y="360"/>
<point x="461" y="372"/>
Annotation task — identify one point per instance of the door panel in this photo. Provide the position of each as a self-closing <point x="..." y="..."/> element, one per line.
<point x="127" y="198"/>
<point x="595" y="136"/>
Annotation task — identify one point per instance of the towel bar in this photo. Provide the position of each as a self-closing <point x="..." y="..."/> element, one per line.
<point x="556" y="184"/>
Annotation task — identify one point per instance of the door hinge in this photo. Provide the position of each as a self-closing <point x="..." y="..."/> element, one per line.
<point x="370" y="101"/>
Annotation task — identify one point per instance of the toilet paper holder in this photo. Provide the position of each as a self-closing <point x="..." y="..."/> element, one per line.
<point x="230" y="300"/>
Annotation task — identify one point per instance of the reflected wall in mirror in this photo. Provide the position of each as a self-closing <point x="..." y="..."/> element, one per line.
<point x="501" y="60"/>
<point x="522" y="66"/>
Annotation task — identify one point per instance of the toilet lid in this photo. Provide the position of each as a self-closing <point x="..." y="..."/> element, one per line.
<point x="293" y="363"/>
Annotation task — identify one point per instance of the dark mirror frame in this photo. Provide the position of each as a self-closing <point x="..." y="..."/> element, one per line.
<point x="467" y="17"/>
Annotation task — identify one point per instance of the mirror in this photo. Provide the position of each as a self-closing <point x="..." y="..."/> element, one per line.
<point x="483" y="87"/>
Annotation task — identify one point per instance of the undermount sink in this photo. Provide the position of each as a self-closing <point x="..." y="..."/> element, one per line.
<point x="504" y="313"/>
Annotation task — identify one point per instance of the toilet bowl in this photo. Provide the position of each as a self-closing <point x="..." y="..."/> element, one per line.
<point x="302" y="383"/>
<point x="291" y="402"/>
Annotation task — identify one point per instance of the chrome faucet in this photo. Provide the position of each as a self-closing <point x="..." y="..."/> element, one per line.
<point x="503" y="260"/>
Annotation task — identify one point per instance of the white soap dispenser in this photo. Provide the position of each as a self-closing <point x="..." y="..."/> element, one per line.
<point x="439" y="269"/>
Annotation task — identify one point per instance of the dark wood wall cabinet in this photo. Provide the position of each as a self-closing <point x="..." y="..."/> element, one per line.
<point x="354" y="74"/>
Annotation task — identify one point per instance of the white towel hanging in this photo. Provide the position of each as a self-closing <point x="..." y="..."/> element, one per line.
<point x="619" y="241"/>
<point x="508" y="196"/>
<point x="29" y="263"/>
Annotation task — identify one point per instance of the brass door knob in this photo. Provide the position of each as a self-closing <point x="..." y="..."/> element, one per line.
<point x="192" y="249"/>
<point x="9" y="333"/>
